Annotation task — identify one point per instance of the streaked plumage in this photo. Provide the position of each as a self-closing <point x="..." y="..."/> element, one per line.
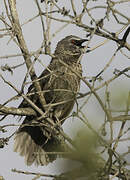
<point x="61" y="85"/>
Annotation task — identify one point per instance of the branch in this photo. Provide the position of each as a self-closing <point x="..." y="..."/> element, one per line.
<point x="57" y="127"/>
<point x="103" y="34"/>
<point x="32" y="173"/>
<point x="17" y="111"/>
<point x="22" y="44"/>
<point x="126" y="34"/>
<point x="91" y="89"/>
<point x="121" y="118"/>
<point x="116" y="75"/>
<point x="90" y="29"/>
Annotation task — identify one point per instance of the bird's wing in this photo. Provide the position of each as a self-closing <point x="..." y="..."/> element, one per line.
<point x="43" y="79"/>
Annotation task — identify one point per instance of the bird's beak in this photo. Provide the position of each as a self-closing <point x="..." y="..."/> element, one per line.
<point x="81" y="41"/>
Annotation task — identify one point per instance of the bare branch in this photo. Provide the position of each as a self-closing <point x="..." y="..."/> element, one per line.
<point x="17" y="111"/>
<point x="22" y="44"/>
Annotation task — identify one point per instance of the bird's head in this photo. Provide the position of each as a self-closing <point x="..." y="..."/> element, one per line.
<point x="70" y="48"/>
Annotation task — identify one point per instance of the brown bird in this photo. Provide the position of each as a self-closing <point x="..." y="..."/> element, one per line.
<point x="60" y="86"/>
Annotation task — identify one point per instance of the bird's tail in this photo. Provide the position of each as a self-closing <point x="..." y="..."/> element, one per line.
<point x="32" y="152"/>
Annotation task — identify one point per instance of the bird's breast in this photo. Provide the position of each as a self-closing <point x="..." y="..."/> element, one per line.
<point x="65" y="78"/>
<point x="62" y="88"/>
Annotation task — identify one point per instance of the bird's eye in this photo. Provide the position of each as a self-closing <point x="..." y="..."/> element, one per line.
<point x="73" y="41"/>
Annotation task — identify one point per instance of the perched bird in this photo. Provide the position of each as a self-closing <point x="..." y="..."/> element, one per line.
<point x="60" y="86"/>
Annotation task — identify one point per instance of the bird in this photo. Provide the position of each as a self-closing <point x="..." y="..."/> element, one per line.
<point x="60" y="86"/>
